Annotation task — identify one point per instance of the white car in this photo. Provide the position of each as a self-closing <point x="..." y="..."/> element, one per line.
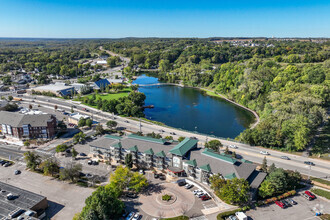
<point x="137" y="216"/>
<point x="264" y="152"/>
<point x="188" y="186"/>
<point x="197" y="191"/>
<point x="233" y="146"/>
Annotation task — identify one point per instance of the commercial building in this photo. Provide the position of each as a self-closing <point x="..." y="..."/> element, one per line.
<point x="16" y="202"/>
<point x="26" y="126"/>
<point x="176" y="159"/>
<point x="58" y="89"/>
<point x="75" y="117"/>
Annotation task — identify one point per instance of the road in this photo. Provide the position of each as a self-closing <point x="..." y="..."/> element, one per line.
<point x="321" y="168"/>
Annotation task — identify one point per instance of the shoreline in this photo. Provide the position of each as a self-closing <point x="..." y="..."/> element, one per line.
<point x="216" y="94"/>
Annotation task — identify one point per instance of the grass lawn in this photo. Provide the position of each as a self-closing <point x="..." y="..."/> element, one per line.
<point x="122" y="93"/>
<point x="325" y="182"/>
<point x="321" y="192"/>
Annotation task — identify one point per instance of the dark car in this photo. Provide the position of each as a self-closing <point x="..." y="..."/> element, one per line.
<point x="2" y="162"/>
<point x="17" y="172"/>
<point x="309" y="163"/>
<point x="156" y="175"/>
<point x="181" y="182"/>
<point x="286" y="203"/>
<point x="162" y="177"/>
<point x="90" y="162"/>
<point x="95" y="163"/>
<point x="132" y="195"/>
<point x="82" y="154"/>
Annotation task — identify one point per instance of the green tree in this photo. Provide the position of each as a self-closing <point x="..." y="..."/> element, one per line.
<point x="89" y="122"/>
<point x="264" y="165"/>
<point x="271" y="168"/>
<point x="227" y="150"/>
<point x="181" y="139"/>
<point x="80" y="137"/>
<point x="50" y="166"/>
<point x="74" y="153"/>
<point x="235" y="191"/>
<point x="217" y="182"/>
<point x="81" y="122"/>
<point x="99" y="129"/>
<point x="112" y="124"/>
<point x="266" y="189"/>
<point x="129" y="160"/>
<point x="32" y="160"/>
<point x="278" y="179"/>
<point x="61" y="148"/>
<point x="71" y="172"/>
<point x="123" y="179"/>
<point x="214" y="145"/>
<point x="103" y="204"/>
<point x="10" y="98"/>
<point x="27" y="143"/>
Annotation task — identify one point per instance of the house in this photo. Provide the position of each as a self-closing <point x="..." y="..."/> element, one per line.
<point x="26" y="126"/>
<point x="183" y="159"/>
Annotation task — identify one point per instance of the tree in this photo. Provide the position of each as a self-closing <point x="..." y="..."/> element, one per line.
<point x="181" y="139"/>
<point x="214" y="145"/>
<point x="55" y="107"/>
<point x="80" y="137"/>
<point x="103" y="204"/>
<point x="26" y="143"/>
<point x="217" y="182"/>
<point x="235" y="191"/>
<point x="226" y="150"/>
<point x="271" y="168"/>
<point x="99" y="129"/>
<point x="71" y="172"/>
<point x="32" y="160"/>
<point x="234" y="154"/>
<point x="50" y="166"/>
<point x="81" y="122"/>
<point x="278" y="179"/>
<point x="123" y="179"/>
<point x="30" y="106"/>
<point x="264" y="165"/>
<point x="112" y="124"/>
<point x="89" y="122"/>
<point x="74" y="153"/>
<point x="266" y="189"/>
<point x="129" y="160"/>
<point x="72" y="111"/>
<point x="61" y="148"/>
<point x="10" y="98"/>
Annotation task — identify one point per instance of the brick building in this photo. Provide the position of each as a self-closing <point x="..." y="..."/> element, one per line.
<point x="21" y="126"/>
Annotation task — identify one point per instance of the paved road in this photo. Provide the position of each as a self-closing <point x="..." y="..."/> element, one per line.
<point x="322" y="168"/>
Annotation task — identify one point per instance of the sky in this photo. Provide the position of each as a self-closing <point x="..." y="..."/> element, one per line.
<point x="164" y="18"/>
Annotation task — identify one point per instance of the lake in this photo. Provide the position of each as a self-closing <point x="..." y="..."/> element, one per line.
<point x="190" y="109"/>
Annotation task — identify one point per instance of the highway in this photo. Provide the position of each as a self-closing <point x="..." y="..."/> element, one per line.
<point x="321" y="168"/>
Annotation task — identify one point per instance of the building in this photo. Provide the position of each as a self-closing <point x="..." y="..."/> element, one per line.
<point x="75" y="117"/>
<point x="58" y="89"/>
<point x="101" y="84"/>
<point x="15" y="202"/>
<point x="3" y="104"/>
<point x="184" y="159"/>
<point x="25" y="126"/>
<point x="79" y="87"/>
<point x="102" y="62"/>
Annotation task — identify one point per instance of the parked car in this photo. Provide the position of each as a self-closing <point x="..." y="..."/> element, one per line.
<point x="162" y="177"/>
<point x="231" y="217"/>
<point x="285" y="158"/>
<point x="17" y="172"/>
<point x="90" y="162"/>
<point x="130" y="216"/>
<point x="310" y="194"/>
<point x="286" y="203"/>
<point x="141" y="172"/>
<point x="82" y="154"/>
<point x="264" y="152"/>
<point x="197" y="191"/>
<point x="292" y="202"/>
<point x="280" y="204"/>
<point x="181" y="182"/>
<point x="132" y="195"/>
<point x="137" y="216"/>
<point x="7" y="164"/>
<point x="205" y="197"/>
<point x="306" y="196"/>
<point x="200" y="194"/>
<point x="156" y="175"/>
<point x="2" y="162"/>
<point x="189" y="186"/>
<point x="309" y="163"/>
<point x="95" y="162"/>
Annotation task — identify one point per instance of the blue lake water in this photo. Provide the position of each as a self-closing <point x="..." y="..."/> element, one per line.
<point x="192" y="110"/>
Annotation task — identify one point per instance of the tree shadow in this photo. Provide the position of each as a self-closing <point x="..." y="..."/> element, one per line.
<point x="53" y="209"/>
<point x="153" y="188"/>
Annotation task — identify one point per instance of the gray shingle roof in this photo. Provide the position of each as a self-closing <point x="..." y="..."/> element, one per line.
<point x="18" y="120"/>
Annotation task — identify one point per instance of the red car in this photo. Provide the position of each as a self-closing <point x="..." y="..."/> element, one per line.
<point x="311" y="195"/>
<point x="280" y="204"/>
<point x="205" y="197"/>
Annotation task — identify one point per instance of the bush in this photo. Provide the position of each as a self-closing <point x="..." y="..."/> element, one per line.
<point x="61" y="148"/>
<point x="223" y="215"/>
<point x="166" y="197"/>
<point x="321" y="192"/>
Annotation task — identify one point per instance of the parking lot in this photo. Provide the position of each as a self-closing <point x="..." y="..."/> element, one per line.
<point x="64" y="199"/>
<point x="304" y="210"/>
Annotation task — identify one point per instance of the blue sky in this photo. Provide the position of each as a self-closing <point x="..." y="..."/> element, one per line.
<point x="159" y="18"/>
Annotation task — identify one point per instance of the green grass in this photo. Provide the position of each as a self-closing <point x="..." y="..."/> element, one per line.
<point x="178" y="218"/>
<point x="122" y="93"/>
<point x="321" y="192"/>
<point x="325" y="182"/>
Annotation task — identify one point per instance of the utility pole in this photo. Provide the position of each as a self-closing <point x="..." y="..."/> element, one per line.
<point x="140" y="125"/>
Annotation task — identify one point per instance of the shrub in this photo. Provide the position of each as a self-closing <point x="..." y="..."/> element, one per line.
<point x="223" y="215"/>
<point x="166" y="197"/>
